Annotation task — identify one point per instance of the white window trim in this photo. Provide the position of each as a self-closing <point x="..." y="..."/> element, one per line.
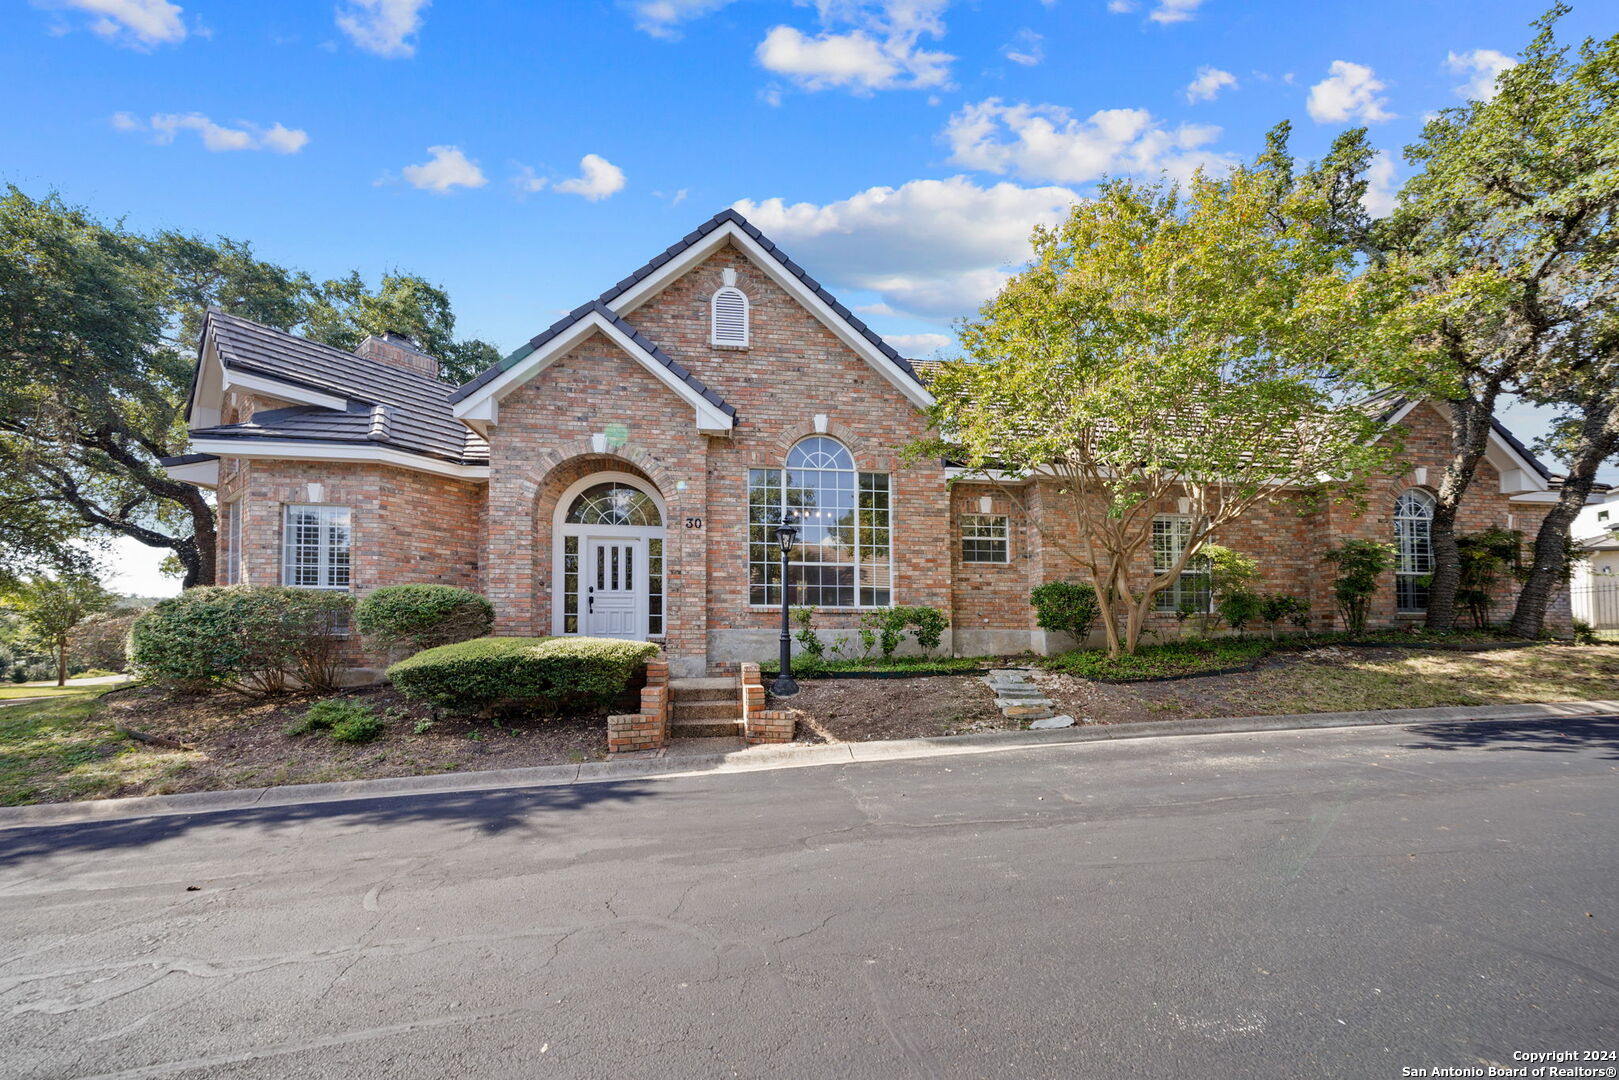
<point x="323" y="556"/>
<point x="560" y="529"/>
<point x="1005" y="538"/>
<point x="1399" y="554"/>
<point x="893" y="571"/>
<point x="1174" y="586"/>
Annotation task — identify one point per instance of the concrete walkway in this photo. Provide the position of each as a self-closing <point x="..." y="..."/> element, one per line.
<point x="758" y="758"/>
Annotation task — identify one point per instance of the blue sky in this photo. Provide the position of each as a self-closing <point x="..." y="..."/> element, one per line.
<point x="899" y="149"/>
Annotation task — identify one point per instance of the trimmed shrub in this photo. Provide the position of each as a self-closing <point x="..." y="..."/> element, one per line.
<point x="251" y="639"/>
<point x="423" y="616"/>
<point x="1067" y="607"/>
<point x="546" y="674"/>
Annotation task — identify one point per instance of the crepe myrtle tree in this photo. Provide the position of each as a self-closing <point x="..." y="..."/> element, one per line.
<point x="1163" y="352"/>
<point x="1504" y="243"/>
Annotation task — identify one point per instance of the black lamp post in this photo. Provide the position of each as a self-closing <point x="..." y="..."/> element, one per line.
<point x="784" y="686"/>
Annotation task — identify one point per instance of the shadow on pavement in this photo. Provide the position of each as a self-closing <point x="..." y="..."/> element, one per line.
<point x="1554" y="735"/>
<point x="489" y="813"/>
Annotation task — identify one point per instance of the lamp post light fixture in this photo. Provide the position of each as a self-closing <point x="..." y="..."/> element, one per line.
<point x="784" y="686"/>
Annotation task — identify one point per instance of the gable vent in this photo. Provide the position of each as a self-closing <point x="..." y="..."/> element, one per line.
<point x="729" y="312"/>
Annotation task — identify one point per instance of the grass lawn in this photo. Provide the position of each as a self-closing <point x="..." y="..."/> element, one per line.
<point x="1330" y="681"/>
<point x="12" y="691"/>
<point x="59" y="749"/>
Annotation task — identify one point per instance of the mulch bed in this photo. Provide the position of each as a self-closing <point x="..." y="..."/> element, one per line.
<point x="241" y="742"/>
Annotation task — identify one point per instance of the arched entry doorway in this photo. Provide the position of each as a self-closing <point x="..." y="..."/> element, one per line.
<point x="608" y="549"/>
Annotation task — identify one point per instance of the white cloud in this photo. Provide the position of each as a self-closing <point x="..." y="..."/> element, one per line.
<point x="1163" y="12"/>
<point x="1046" y="142"/>
<point x="880" y="52"/>
<point x="934" y="249"/>
<point x="139" y="24"/>
<point x="1482" y="66"/>
<point x="163" y="128"/>
<point x="1349" y="92"/>
<point x="1208" y="84"/>
<point x="448" y="168"/>
<point x="919" y="345"/>
<point x="527" y="181"/>
<point x="598" y="179"/>
<point x="382" y="26"/>
<point x="662" y="18"/>
<point x="1381" y="192"/>
<point x="1025" y="48"/>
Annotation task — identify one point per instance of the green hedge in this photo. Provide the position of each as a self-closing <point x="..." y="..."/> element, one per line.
<point x="546" y="674"/>
<point x="247" y="638"/>
<point x="423" y="616"/>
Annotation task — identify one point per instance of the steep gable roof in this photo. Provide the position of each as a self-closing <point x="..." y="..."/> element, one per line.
<point x="645" y="281"/>
<point x="419" y="420"/>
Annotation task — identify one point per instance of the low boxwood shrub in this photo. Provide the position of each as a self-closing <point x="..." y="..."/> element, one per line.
<point x="545" y="674"/>
<point x="1066" y="606"/>
<point x="423" y="616"/>
<point x="252" y="639"/>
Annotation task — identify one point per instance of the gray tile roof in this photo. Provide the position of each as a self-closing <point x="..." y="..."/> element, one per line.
<point x="420" y="423"/>
<point x="606" y="299"/>
<point x="598" y="308"/>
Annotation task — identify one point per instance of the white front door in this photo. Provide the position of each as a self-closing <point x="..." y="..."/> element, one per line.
<point x="615" y="581"/>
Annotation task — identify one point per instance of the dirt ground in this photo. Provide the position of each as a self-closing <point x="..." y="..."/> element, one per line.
<point x="241" y="743"/>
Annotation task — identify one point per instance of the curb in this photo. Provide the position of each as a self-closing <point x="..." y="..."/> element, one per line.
<point x="764" y="758"/>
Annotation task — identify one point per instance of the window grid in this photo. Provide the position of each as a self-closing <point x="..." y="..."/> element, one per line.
<point x="654" y="598"/>
<point x="1170" y="535"/>
<point x="843" y="556"/>
<point x="231" y="573"/>
<point x="1413" y="541"/>
<point x="570" y="584"/>
<point x="315" y="550"/>
<point x="984" y="538"/>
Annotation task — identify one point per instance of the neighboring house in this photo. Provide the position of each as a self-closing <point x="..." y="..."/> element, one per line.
<point x="621" y="473"/>
<point x="1594" y="591"/>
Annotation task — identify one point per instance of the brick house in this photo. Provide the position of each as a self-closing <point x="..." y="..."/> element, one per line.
<point x="620" y="473"/>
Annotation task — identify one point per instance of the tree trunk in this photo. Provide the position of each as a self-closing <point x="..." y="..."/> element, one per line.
<point x="1469" y="435"/>
<point x="1599" y="440"/>
<point x="61" y="661"/>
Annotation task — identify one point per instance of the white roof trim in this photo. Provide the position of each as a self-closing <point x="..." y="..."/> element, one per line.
<point x="481" y="407"/>
<point x="204" y="474"/>
<point x="291" y="450"/>
<point x="264" y="384"/>
<point x="655" y="282"/>
<point x="1518" y="474"/>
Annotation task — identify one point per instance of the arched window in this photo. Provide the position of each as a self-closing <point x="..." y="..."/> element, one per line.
<point x="1413" y="540"/>
<point x="728" y="314"/>
<point x="842" y="558"/>
<point x="613" y="504"/>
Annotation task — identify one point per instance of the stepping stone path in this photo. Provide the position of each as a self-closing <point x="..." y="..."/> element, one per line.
<point x="1017" y="697"/>
<point x="1053" y="722"/>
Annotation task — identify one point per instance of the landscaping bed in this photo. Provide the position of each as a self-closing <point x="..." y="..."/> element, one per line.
<point x="71" y="749"/>
<point x="1331" y="678"/>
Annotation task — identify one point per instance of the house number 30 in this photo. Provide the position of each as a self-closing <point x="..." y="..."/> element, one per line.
<point x="694" y="523"/>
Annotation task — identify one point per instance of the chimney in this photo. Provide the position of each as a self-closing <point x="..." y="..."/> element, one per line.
<point x="400" y="350"/>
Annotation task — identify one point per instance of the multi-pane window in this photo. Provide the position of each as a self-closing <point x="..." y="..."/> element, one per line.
<point x="983" y="538"/>
<point x="1190" y="592"/>
<point x="1413" y="541"/>
<point x="315" y="547"/>
<point x="843" y="557"/>
<point x="231" y="572"/>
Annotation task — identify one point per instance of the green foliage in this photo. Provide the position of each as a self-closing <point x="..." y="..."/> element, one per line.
<point x="1067" y="607"/>
<point x="1229" y="571"/>
<point x="886" y="628"/>
<point x="546" y="674"/>
<point x="1166" y="344"/>
<point x="423" y="616"/>
<point x="808" y="640"/>
<point x="51" y="608"/>
<point x="251" y="639"/>
<point x="342" y="719"/>
<point x="1486" y="557"/>
<point x="1359" y="563"/>
<point x="1275" y="607"/>
<point x="1172" y="658"/>
<point x="1240" y="606"/>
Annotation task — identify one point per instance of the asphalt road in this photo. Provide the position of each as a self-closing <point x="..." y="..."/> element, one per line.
<point x="1325" y="903"/>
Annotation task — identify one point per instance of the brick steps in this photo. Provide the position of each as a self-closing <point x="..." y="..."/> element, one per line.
<point x="706" y="708"/>
<point x="707" y="729"/>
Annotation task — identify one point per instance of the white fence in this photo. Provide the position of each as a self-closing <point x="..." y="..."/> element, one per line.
<point x="1597" y="602"/>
